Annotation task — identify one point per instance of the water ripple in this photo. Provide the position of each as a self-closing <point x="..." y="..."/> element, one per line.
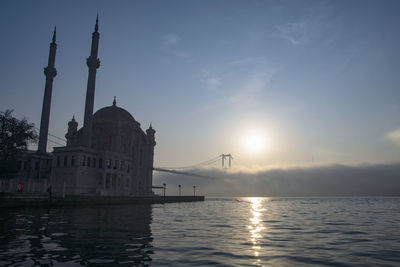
<point x="217" y="232"/>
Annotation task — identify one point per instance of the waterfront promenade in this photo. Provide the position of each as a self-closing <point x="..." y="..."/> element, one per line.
<point x="40" y="200"/>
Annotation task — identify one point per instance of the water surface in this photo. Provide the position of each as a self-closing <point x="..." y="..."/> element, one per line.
<point x="218" y="232"/>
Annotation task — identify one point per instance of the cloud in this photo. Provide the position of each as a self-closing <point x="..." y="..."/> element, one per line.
<point x="314" y="25"/>
<point x="170" y="40"/>
<point x="394" y="136"/>
<point x="212" y="81"/>
<point x="243" y="61"/>
<point x="171" y="45"/>
<point x="292" y="180"/>
<point x="295" y="33"/>
<point x="239" y="81"/>
<point x="250" y="88"/>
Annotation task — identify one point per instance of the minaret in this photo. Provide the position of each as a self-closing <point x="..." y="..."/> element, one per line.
<point x="93" y="64"/>
<point x="150" y="136"/>
<point x="50" y="72"/>
<point x="150" y="152"/>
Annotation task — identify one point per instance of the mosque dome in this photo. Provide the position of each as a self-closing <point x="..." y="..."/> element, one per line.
<point x="114" y="115"/>
<point x="114" y="129"/>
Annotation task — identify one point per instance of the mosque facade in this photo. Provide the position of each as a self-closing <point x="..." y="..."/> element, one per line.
<point x="110" y="155"/>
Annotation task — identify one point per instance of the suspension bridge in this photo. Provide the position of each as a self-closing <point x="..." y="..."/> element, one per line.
<point x="181" y="170"/>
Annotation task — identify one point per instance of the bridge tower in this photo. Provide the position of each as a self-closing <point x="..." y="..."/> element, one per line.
<point x="224" y="156"/>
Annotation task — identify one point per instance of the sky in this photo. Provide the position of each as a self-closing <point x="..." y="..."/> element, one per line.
<point x="314" y="82"/>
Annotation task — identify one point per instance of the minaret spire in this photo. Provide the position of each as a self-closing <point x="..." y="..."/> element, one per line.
<point x="93" y="64"/>
<point x="96" y="27"/>
<point x="54" y="34"/>
<point x="50" y="72"/>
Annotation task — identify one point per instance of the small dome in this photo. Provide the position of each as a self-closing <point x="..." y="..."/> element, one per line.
<point x="72" y="122"/>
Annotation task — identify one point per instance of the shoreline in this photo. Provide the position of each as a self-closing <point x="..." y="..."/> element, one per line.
<point x="16" y="201"/>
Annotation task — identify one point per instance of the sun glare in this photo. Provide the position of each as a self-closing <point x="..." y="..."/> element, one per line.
<point x="255" y="142"/>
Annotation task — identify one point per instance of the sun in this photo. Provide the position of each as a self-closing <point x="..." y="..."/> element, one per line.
<point x="255" y="142"/>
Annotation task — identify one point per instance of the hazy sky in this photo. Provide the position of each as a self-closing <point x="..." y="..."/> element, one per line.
<point x="290" y="181"/>
<point x="315" y="79"/>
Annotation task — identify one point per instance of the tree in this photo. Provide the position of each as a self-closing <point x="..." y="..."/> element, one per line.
<point x="15" y="135"/>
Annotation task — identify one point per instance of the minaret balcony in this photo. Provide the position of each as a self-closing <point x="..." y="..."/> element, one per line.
<point x="93" y="63"/>
<point x="50" y="72"/>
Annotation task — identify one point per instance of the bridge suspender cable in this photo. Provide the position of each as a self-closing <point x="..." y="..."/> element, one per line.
<point x="201" y="164"/>
<point x="184" y="173"/>
<point x="174" y="170"/>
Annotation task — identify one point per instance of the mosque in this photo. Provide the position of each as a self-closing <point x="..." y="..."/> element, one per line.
<point x="110" y="155"/>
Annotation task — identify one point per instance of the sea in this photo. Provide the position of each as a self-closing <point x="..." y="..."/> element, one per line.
<point x="248" y="231"/>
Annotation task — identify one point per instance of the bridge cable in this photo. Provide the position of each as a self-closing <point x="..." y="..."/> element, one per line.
<point x="204" y="163"/>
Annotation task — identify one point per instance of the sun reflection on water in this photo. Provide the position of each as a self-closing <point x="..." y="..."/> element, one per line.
<point x="256" y="226"/>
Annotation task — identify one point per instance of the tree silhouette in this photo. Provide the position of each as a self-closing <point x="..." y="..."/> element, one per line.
<point x="15" y="135"/>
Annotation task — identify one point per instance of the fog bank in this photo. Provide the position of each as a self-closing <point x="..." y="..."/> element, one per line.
<point x="289" y="181"/>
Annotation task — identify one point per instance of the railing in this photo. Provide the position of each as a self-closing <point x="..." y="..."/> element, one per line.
<point x="31" y="185"/>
